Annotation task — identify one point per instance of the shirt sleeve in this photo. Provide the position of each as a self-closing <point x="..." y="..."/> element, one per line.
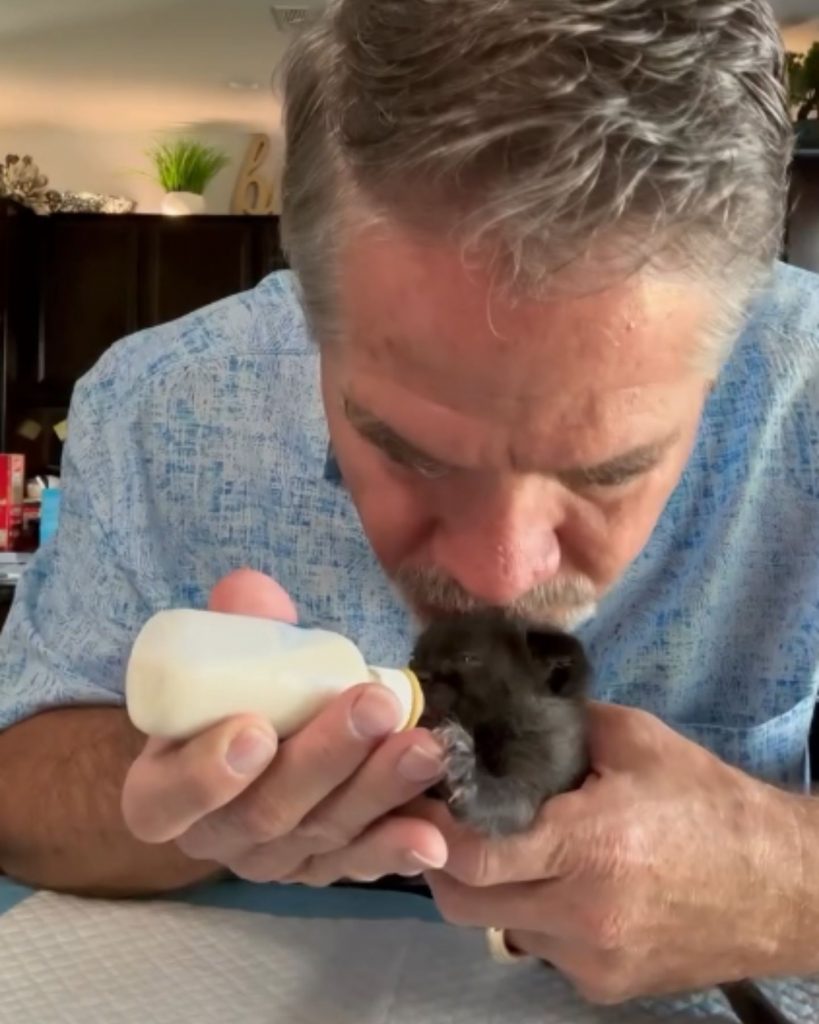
<point x="78" y="607"/>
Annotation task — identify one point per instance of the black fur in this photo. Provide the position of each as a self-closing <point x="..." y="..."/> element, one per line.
<point x="508" y="702"/>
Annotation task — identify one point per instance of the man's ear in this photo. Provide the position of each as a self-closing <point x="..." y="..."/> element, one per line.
<point x="561" y="662"/>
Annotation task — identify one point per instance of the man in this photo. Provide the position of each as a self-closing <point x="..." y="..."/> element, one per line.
<point x="534" y="242"/>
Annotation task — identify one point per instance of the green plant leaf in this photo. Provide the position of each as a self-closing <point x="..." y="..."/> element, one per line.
<point x="186" y="166"/>
<point x="810" y="68"/>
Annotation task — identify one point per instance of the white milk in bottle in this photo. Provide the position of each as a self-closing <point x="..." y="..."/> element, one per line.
<point x="189" y="669"/>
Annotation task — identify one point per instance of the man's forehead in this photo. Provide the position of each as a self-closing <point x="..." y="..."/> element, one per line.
<point x="413" y="311"/>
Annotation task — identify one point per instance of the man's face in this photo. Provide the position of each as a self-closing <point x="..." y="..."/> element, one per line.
<point x="506" y="452"/>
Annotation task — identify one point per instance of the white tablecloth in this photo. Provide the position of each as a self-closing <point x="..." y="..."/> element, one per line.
<point x="71" y="961"/>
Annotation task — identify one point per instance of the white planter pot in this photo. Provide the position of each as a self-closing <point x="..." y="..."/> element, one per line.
<point x="176" y="204"/>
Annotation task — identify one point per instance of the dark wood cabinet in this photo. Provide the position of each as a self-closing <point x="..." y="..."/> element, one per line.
<point x="89" y="287"/>
<point x="18" y="305"/>
<point x="73" y="284"/>
<point x="803" y="222"/>
<point x="187" y="262"/>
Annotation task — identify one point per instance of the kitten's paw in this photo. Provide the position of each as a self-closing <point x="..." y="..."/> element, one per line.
<point x="492" y="805"/>
<point x="461" y="764"/>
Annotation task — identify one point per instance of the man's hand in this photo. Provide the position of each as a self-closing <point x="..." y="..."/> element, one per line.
<point x="668" y="871"/>
<point x="314" y="809"/>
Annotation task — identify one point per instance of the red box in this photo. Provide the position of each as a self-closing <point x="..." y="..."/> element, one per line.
<point x="12" y="486"/>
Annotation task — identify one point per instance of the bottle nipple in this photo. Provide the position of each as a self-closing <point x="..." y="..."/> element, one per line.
<point x="405" y="684"/>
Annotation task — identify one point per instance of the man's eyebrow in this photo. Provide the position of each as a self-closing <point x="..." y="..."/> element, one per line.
<point x="387" y="440"/>
<point x="616" y="470"/>
<point x="622" y="467"/>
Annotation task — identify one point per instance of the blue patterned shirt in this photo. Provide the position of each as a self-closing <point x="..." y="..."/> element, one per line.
<point x="200" y="446"/>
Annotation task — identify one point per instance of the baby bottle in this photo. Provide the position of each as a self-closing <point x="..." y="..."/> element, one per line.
<point x="191" y="668"/>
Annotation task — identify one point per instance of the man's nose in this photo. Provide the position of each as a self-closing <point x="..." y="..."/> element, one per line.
<point x="501" y="543"/>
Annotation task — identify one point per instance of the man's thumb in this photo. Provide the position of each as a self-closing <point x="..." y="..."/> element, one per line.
<point x="247" y="592"/>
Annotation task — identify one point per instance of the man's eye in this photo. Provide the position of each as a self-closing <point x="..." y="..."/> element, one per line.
<point x="605" y="481"/>
<point x="417" y="464"/>
<point x="429" y="470"/>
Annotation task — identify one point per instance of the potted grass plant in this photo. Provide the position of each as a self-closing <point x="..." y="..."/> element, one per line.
<point x="184" y="168"/>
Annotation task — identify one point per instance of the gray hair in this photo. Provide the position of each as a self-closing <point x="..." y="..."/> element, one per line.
<point x="542" y="135"/>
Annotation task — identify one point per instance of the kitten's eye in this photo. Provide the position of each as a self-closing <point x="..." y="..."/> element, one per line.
<point x="468" y="660"/>
<point x="561" y="675"/>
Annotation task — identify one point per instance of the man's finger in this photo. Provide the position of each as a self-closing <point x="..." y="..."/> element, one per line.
<point x="536" y="944"/>
<point x="600" y="977"/>
<point x="563" y="955"/>
<point x="247" y="592"/>
<point x="545" y="851"/>
<point x="394" y="846"/>
<point x="384" y="782"/>
<point x="309" y="766"/>
<point x="507" y="906"/>
<point x="541" y="907"/>
<point x="401" y="768"/>
<point x="170" y="787"/>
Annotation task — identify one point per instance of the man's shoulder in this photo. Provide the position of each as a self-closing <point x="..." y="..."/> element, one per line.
<point x="239" y="331"/>
<point x="770" y="385"/>
<point x="794" y="296"/>
<point x="760" y="438"/>
<point x="784" y="322"/>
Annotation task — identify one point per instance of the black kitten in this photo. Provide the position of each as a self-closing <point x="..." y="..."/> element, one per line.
<point x="508" y="703"/>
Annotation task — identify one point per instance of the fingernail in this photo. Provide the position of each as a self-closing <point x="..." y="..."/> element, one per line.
<point x="375" y="713"/>
<point x="422" y="763"/>
<point x="416" y="862"/>
<point x="365" y="876"/>
<point x="250" y="751"/>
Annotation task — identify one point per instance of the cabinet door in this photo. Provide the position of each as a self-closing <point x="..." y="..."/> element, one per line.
<point x="268" y="247"/>
<point x="88" y="297"/>
<point x="18" y="310"/>
<point x="190" y="262"/>
<point x="803" y="222"/>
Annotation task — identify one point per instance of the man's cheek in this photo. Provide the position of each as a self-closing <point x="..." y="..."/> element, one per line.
<point x="601" y="540"/>
<point x="630" y="527"/>
<point x="396" y="520"/>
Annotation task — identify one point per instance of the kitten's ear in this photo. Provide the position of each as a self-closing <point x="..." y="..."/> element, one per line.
<point x="561" y="661"/>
